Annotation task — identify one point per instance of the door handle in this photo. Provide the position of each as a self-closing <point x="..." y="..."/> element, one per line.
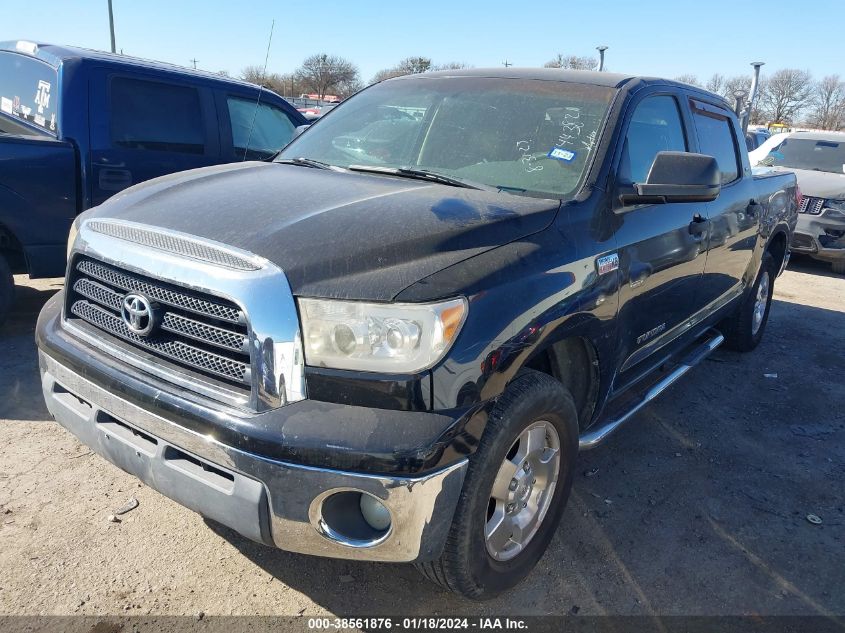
<point x="698" y="226"/>
<point x="111" y="179"/>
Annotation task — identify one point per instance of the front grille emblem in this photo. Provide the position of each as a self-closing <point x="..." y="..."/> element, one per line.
<point x="139" y="314"/>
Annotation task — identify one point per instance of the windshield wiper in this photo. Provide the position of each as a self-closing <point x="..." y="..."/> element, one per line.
<point x="308" y="162"/>
<point x="419" y="174"/>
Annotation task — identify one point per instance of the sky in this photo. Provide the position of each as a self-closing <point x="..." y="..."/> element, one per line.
<point x="649" y="37"/>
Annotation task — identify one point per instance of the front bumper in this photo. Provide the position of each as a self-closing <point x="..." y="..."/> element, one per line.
<point x="820" y="236"/>
<point x="268" y="501"/>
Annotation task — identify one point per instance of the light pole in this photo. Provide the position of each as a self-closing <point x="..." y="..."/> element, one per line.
<point x="601" y="50"/>
<point x="745" y="116"/>
<point x="111" y="27"/>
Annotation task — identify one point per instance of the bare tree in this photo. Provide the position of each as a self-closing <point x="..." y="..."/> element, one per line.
<point x="254" y="75"/>
<point x="451" y="66"/>
<point x="785" y="93"/>
<point x="828" y="103"/>
<point x="692" y="80"/>
<point x="412" y="66"/>
<point x="573" y="62"/>
<point x="323" y="73"/>
<point x="408" y="66"/>
<point x="386" y="73"/>
<point x="716" y="83"/>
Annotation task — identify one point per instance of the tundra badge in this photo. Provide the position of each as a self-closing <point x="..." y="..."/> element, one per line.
<point x="608" y="263"/>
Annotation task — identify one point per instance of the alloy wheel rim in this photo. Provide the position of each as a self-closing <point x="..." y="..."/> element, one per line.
<point x="760" y="302"/>
<point x="522" y="491"/>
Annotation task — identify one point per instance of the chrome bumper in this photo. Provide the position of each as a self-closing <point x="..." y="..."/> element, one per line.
<point x="269" y="501"/>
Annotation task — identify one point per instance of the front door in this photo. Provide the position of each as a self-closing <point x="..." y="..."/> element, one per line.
<point x="660" y="246"/>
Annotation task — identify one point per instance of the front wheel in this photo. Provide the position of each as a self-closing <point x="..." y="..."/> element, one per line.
<point x="744" y="329"/>
<point x="516" y="488"/>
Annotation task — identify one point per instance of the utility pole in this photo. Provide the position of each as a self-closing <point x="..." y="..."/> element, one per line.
<point x="506" y="63"/>
<point x="194" y="61"/>
<point x="111" y="27"/>
<point x="601" y="50"/>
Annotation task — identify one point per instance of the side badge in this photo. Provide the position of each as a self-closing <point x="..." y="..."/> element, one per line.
<point x="608" y="263"/>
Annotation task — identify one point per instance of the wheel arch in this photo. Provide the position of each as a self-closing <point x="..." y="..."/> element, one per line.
<point x="778" y="248"/>
<point x="574" y="362"/>
<point x="12" y="249"/>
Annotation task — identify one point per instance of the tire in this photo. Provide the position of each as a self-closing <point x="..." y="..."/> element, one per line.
<point x="744" y="329"/>
<point x="7" y="289"/>
<point x="537" y="406"/>
<point x="838" y="267"/>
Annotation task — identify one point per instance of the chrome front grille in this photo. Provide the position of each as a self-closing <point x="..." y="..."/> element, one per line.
<point x="160" y="291"/>
<point x="202" y="333"/>
<point x="811" y="205"/>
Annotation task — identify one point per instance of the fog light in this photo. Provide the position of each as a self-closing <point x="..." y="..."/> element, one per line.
<point x="374" y="512"/>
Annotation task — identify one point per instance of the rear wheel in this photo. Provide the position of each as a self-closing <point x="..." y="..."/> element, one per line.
<point x="7" y="289"/>
<point x="838" y="267"/>
<point x="744" y="329"/>
<point x="515" y="490"/>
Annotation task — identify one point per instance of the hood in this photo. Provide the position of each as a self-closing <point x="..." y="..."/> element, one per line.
<point x="335" y="234"/>
<point x="821" y="184"/>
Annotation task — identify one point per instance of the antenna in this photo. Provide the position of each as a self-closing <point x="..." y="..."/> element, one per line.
<point x="260" y="90"/>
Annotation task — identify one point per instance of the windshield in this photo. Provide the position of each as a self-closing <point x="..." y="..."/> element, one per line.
<point x="806" y="153"/>
<point x="514" y="134"/>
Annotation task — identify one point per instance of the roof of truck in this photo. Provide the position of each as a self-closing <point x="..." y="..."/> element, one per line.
<point x="592" y="77"/>
<point x="55" y="55"/>
<point x="610" y="80"/>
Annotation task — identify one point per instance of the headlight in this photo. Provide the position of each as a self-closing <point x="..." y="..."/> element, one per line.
<point x="71" y="237"/>
<point x="379" y="337"/>
<point x="835" y="209"/>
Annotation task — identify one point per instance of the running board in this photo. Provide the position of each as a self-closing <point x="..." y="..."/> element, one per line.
<point x="593" y="438"/>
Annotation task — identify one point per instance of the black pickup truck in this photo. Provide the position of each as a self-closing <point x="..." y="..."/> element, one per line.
<point x="391" y="343"/>
<point x="77" y="126"/>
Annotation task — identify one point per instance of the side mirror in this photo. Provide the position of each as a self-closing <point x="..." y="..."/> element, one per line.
<point x="677" y="177"/>
<point x="299" y="129"/>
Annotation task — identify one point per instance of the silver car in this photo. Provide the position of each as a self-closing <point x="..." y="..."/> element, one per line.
<point x="818" y="160"/>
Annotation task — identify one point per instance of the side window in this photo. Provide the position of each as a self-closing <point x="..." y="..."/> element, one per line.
<point x="716" y="139"/>
<point x="156" y="116"/>
<point x="266" y="129"/>
<point x="655" y="127"/>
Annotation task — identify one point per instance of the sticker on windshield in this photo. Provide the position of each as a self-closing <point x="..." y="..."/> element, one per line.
<point x="5" y="105"/>
<point x="561" y="153"/>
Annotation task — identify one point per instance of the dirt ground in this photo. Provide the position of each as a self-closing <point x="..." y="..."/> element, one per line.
<point x="698" y="506"/>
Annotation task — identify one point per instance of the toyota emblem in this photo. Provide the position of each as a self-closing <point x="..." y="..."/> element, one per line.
<point x="139" y="314"/>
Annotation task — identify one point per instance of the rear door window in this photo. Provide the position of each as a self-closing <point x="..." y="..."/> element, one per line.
<point x="258" y="131"/>
<point x="29" y="91"/>
<point x="151" y="115"/>
<point x="716" y="139"/>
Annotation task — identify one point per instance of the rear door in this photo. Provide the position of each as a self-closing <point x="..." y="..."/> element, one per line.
<point x="734" y="215"/>
<point x="661" y="250"/>
<point x="147" y="126"/>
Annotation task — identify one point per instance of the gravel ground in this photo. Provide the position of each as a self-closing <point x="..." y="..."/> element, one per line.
<point x="698" y="506"/>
